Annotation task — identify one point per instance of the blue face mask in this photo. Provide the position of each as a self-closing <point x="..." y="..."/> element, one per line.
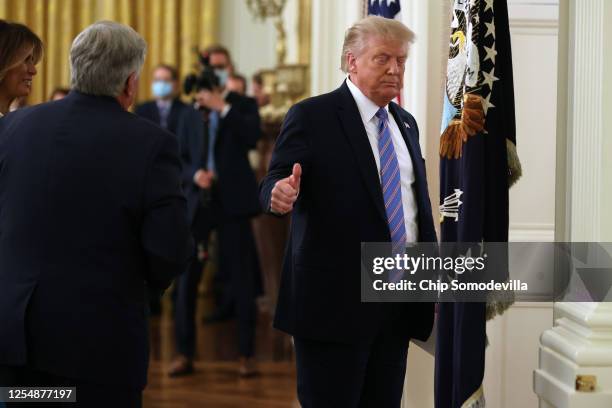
<point x="222" y="74"/>
<point x="161" y="89"/>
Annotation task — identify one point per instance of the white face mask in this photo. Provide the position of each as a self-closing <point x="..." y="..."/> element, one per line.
<point x="161" y="89"/>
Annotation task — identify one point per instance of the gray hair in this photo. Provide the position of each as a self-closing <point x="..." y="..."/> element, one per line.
<point x="103" y="56"/>
<point x="356" y="37"/>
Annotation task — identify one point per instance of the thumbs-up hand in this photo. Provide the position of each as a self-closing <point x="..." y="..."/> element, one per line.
<point x="285" y="191"/>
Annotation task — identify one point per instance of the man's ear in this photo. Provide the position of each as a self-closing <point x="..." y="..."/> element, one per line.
<point x="351" y="62"/>
<point x="131" y="85"/>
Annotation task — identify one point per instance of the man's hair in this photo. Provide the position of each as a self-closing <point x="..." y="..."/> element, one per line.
<point x="240" y="78"/>
<point x="258" y="78"/>
<point x="103" y="56"/>
<point x="16" y="38"/>
<point x="218" y="49"/>
<point x="356" y="37"/>
<point x="173" y="71"/>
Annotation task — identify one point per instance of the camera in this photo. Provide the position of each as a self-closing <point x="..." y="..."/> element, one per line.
<point x="205" y="79"/>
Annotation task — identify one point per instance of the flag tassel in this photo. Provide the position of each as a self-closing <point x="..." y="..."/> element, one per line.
<point x="476" y="400"/>
<point x="515" y="171"/>
<point x="457" y="132"/>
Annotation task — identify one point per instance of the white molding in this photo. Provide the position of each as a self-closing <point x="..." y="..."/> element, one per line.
<point x="585" y="123"/>
<point x="532" y="305"/>
<point x="581" y="340"/>
<point x="533" y="17"/>
<point x="531" y="233"/>
<point x="531" y="27"/>
<point x="546" y="13"/>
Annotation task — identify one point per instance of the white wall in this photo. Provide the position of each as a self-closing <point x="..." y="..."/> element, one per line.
<point x="534" y="26"/>
<point x="250" y="41"/>
<point x="330" y="19"/>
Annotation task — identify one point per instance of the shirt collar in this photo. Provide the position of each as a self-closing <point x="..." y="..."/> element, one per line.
<point x="367" y="108"/>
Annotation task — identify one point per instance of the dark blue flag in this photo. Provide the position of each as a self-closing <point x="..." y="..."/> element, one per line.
<point x="384" y="8"/>
<point x="478" y="163"/>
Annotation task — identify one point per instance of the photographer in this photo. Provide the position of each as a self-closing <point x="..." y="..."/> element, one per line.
<point x="222" y="193"/>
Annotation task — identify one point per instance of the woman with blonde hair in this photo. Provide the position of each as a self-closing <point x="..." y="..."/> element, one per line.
<point x="20" y="51"/>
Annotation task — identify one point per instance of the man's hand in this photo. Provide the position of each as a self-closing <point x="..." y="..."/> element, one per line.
<point x="203" y="178"/>
<point x="285" y="191"/>
<point x="211" y="99"/>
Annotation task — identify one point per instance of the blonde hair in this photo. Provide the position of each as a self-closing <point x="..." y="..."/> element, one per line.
<point x="356" y="37"/>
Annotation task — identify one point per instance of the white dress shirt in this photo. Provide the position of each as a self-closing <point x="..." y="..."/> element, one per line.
<point x="367" y="110"/>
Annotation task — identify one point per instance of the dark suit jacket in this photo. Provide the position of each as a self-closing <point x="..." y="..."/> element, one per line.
<point x="339" y="206"/>
<point x="149" y="110"/>
<point x="90" y="209"/>
<point x="238" y="132"/>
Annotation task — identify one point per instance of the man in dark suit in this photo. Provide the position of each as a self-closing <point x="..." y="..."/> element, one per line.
<point x="222" y="193"/>
<point x="165" y="110"/>
<point x="348" y="167"/>
<point x="91" y="210"/>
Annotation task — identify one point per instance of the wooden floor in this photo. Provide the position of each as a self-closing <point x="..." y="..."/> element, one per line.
<point x="216" y="383"/>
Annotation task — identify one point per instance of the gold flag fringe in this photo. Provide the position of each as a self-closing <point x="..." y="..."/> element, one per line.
<point x="500" y="302"/>
<point x="515" y="171"/>
<point x="457" y="132"/>
<point x="476" y="400"/>
<point x="450" y="142"/>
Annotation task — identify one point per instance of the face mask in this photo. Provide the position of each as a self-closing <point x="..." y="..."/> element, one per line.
<point x="161" y="89"/>
<point x="222" y="74"/>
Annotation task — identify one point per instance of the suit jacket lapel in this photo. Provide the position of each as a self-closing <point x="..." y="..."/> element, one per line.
<point x="358" y="138"/>
<point x="411" y="142"/>
<point x="426" y="231"/>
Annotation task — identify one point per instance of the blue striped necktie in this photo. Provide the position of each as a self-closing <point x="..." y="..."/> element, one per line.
<point x="391" y="185"/>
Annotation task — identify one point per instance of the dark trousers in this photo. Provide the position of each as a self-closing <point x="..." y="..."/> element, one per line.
<point x="154" y="301"/>
<point x="186" y="287"/>
<point x="87" y="395"/>
<point x="364" y="375"/>
<point x="239" y="268"/>
<point x="186" y="292"/>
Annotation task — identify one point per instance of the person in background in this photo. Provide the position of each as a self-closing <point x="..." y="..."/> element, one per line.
<point x="91" y="211"/>
<point x="164" y="111"/>
<point x="59" y="93"/>
<point x="20" y="51"/>
<point x="259" y="92"/>
<point x="237" y="83"/>
<point x="218" y="179"/>
<point x="166" y="108"/>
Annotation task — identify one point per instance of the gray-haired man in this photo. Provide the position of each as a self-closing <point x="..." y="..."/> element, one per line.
<point x="91" y="210"/>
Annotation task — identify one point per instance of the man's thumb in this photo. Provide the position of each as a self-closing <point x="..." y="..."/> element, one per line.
<point x="296" y="175"/>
